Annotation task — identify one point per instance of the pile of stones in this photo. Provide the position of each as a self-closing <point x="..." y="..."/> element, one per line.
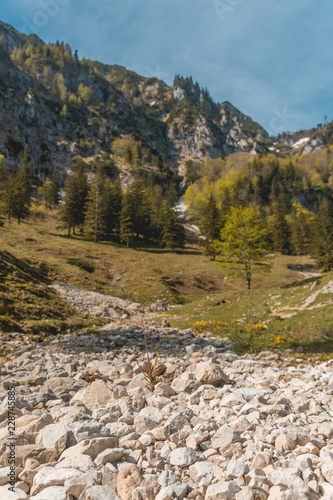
<point x="216" y="425"/>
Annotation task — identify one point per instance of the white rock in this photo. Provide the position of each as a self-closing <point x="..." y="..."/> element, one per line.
<point x="110" y="455"/>
<point x="211" y="373"/>
<point x="183" y="456"/>
<point x="223" y="490"/>
<point x="52" y="493"/>
<point x="53" y="436"/>
<point x="165" y="493"/>
<point x="203" y="473"/>
<point x="18" y="494"/>
<point x="237" y="468"/>
<point x="101" y="493"/>
<point x="327" y="472"/>
<point x="48" y="476"/>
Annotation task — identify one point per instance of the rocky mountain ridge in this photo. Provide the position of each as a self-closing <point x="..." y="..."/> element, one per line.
<point x="172" y="122"/>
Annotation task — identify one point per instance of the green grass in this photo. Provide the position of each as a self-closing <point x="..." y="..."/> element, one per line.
<point x="205" y="297"/>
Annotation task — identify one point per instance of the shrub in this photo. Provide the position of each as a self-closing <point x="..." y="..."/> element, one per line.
<point x="82" y="264"/>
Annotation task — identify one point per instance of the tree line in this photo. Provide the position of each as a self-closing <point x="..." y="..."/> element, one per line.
<point x="294" y="205"/>
<point x="93" y="205"/>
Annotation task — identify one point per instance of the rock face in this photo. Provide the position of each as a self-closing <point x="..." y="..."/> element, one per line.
<point x="180" y="120"/>
<point x="217" y="426"/>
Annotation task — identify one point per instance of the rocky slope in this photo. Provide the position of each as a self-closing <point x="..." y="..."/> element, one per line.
<point x="175" y="121"/>
<point x="216" y="426"/>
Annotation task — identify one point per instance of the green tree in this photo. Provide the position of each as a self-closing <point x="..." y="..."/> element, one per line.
<point x="21" y="193"/>
<point x="300" y="230"/>
<point x="49" y="192"/>
<point x="280" y="229"/>
<point x="243" y="242"/>
<point x="93" y="216"/>
<point x="72" y="211"/>
<point x="322" y="237"/>
<point x="127" y="221"/>
<point x="172" y="232"/>
<point x="111" y="204"/>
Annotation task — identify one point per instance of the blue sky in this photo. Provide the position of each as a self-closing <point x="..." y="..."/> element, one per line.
<point x="272" y="59"/>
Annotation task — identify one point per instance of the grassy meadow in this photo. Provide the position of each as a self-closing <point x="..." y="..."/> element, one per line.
<point x="203" y="296"/>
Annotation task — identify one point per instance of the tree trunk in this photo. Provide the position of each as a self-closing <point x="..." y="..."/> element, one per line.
<point x="248" y="279"/>
<point x="69" y="228"/>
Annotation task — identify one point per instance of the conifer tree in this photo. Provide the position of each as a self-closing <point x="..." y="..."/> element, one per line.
<point x="127" y="221"/>
<point x="54" y="189"/>
<point x="111" y="204"/>
<point x="322" y="237"/>
<point x="300" y="234"/>
<point x="21" y="193"/>
<point x="280" y="229"/>
<point x="171" y="228"/>
<point x="76" y="192"/>
<point x="93" y="223"/>
<point x="8" y="194"/>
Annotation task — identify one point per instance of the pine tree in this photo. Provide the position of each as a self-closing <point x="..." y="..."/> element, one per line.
<point x="54" y="195"/>
<point x="21" y="194"/>
<point x="210" y="227"/>
<point x="93" y="214"/>
<point x="127" y="220"/>
<point x="280" y="229"/>
<point x="172" y="232"/>
<point x="110" y="210"/>
<point x="322" y="237"/>
<point x="300" y="234"/>
<point x="76" y="192"/>
<point x="8" y="194"/>
<point x="135" y="215"/>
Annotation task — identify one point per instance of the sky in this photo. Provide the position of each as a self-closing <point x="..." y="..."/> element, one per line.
<point x="272" y="59"/>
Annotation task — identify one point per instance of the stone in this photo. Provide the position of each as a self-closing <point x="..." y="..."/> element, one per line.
<point x="49" y="476"/>
<point x="76" y="485"/>
<point x="53" y="436"/>
<point x="237" y="468"/>
<point x="97" y="445"/>
<point x="143" y="493"/>
<point x="284" y="442"/>
<point x="223" y="490"/>
<point x="100" y="493"/>
<point x="166" y="493"/>
<point x="128" y="479"/>
<point x="224" y="436"/>
<point x="247" y="366"/>
<point x="18" y="494"/>
<point x="52" y="493"/>
<point x="144" y="423"/>
<point x="203" y="473"/>
<point x="110" y="455"/>
<point x="98" y="393"/>
<point x="166" y="478"/>
<point x="4" y="471"/>
<point x="327" y="472"/>
<point x="211" y="373"/>
<point x="287" y="479"/>
<point x="183" y="456"/>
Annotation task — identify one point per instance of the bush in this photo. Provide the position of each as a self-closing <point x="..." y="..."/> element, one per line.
<point x="82" y="264"/>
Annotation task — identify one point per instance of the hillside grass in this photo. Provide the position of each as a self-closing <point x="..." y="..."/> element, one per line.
<point x="203" y="296"/>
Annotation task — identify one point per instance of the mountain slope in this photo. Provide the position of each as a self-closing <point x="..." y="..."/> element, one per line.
<point x="58" y="106"/>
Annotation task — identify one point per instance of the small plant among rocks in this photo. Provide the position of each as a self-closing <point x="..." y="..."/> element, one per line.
<point x="151" y="373"/>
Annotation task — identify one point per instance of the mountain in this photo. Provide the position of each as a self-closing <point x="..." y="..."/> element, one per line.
<point x="59" y="106"/>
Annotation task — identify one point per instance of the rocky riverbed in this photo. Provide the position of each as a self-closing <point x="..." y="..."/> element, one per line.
<point x="217" y="426"/>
